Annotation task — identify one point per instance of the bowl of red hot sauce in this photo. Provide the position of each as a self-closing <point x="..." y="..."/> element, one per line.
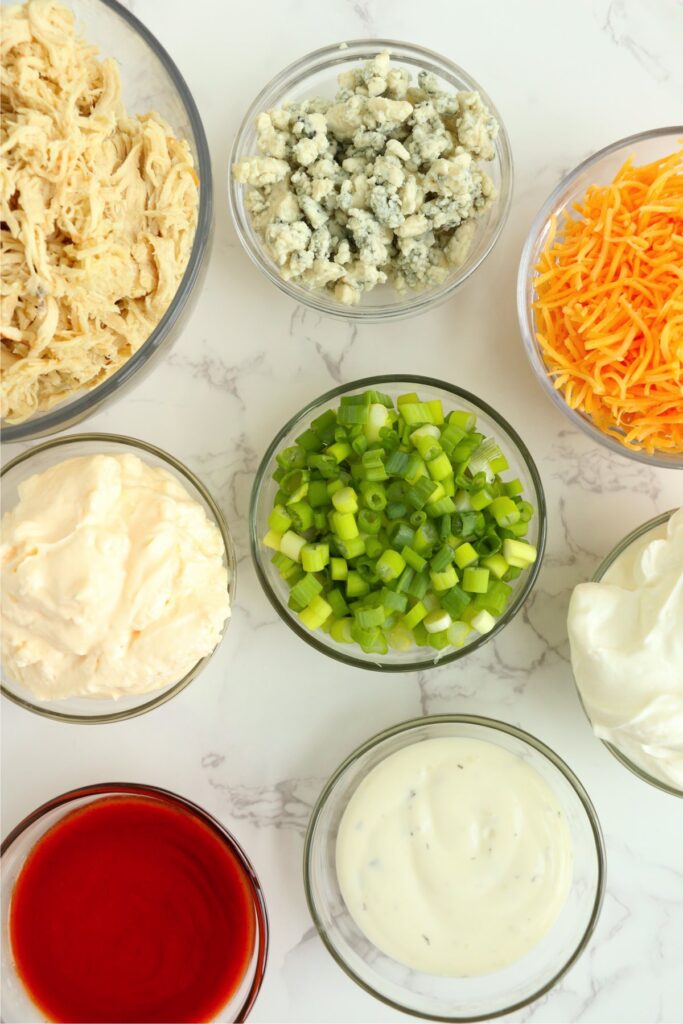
<point x="126" y="903"/>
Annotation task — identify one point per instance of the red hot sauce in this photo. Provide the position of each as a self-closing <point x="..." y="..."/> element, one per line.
<point x="130" y="909"/>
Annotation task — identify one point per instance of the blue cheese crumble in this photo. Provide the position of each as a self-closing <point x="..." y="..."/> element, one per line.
<point x="380" y="184"/>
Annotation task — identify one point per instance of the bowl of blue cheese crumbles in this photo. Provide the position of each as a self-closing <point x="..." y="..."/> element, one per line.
<point x="369" y="180"/>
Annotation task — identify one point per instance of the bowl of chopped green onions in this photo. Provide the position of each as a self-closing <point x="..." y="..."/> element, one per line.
<point x="397" y="523"/>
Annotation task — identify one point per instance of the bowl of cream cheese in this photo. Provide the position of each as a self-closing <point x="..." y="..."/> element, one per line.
<point x="454" y="867"/>
<point x="626" y="634"/>
<point x="117" y="575"/>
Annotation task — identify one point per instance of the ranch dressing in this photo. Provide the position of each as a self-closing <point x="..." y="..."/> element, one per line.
<point x="454" y="857"/>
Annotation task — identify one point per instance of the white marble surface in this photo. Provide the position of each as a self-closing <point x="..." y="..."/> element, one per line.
<point x="254" y="738"/>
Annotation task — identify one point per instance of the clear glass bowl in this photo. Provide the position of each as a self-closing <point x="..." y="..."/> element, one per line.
<point x="651" y="525"/>
<point x="490" y="423"/>
<point x="17" y="1006"/>
<point x="598" y="169"/>
<point x="37" y="460"/>
<point x="316" y="75"/>
<point x="455" y="999"/>
<point x="150" y="81"/>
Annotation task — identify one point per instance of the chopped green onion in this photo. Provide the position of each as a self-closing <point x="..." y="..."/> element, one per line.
<point x="392" y="502"/>
<point x="369" y="521"/>
<point x="373" y="546"/>
<point x="351" y="548"/>
<point x="416" y="614"/>
<point x="415" y="561"/>
<point x="458" y="633"/>
<point x="273" y="540"/>
<point x="513" y="488"/>
<point x="401" y="535"/>
<point x="466" y="421"/>
<point x="317" y="613"/>
<point x="519" y="553"/>
<point x="339" y="569"/>
<point x="373" y="496"/>
<point x="344" y="525"/>
<point x="475" y="581"/>
<point x="341" y="631"/>
<point x="356" y="586"/>
<point x="303" y="592"/>
<point x="504" y="511"/>
<point x="465" y="555"/>
<point x="455" y="602"/>
<point x="442" y="558"/>
<point x="496" y="564"/>
<point x="483" y="622"/>
<point x="437" y="621"/>
<point x="390" y="565"/>
<point x="367" y="616"/>
<point x="291" y="544"/>
<point x="314" y="557"/>
<point x="279" y="519"/>
<point x="345" y="500"/>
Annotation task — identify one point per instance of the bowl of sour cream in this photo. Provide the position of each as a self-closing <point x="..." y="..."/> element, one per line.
<point x="454" y="867"/>
<point x="626" y="635"/>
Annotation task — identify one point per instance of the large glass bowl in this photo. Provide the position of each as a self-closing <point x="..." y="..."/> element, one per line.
<point x="37" y="460"/>
<point x="652" y="526"/>
<point x="441" y="998"/>
<point x="490" y="423"/>
<point x="17" y="1006"/>
<point x="316" y="75"/>
<point x="598" y="169"/>
<point x="149" y="81"/>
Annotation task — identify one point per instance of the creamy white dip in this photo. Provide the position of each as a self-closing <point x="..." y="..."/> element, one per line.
<point x="454" y="857"/>
<point x="113" y="580"/>
<point x="626" y="636"/>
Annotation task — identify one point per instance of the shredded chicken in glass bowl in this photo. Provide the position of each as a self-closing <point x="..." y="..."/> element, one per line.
<point x="105" y="207"/>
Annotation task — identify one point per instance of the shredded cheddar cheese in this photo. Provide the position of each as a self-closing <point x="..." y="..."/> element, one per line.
<point x="609" y="305"/>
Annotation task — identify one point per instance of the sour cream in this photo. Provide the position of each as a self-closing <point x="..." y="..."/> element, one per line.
<point x="113" y="580"/>
<point x="626" y="637"/>
<point x="454" y="857"/>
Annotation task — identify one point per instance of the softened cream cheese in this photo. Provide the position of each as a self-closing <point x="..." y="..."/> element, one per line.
<point x="113" y="580"/>
<point x="626" y="637"/>
<point x="454" y="857"/>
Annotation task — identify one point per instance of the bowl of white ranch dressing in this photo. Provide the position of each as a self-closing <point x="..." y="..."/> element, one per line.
<point x="454" y="867"/>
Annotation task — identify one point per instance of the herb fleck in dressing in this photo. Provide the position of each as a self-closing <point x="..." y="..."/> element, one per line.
<point x="454" y="857"/>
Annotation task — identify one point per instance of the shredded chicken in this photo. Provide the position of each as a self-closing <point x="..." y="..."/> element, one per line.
<point x="98" y="211"/>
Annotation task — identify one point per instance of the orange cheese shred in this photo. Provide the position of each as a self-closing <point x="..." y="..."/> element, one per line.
<point x="609" y="305"/>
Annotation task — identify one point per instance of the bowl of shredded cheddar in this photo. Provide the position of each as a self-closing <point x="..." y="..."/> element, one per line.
<point x="600" y="296"/>
<point x="105" y="208"/>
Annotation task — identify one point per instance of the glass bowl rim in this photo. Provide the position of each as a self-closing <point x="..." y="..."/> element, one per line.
<point x="416" y="302"/>
<point x="495" y="725"/>
<point x="103" y="789"/>
<point x="67" y="412"/>
<point x="524" y="313"/>
<point x="606" y="563"/>
<point x="261" y="479"/>
<point x="219" y="519"/>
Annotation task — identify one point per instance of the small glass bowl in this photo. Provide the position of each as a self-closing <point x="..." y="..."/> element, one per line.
<point x="316" y="75"/>
<point x="37" y="460"/>
<point x="149" y="81"/>
<point x="455" y="999"/>
<point x="490" y="423"/>
<point x="657" y="524"/>
<point x="17" y="1006"/>
<point x="598" y="169"/>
